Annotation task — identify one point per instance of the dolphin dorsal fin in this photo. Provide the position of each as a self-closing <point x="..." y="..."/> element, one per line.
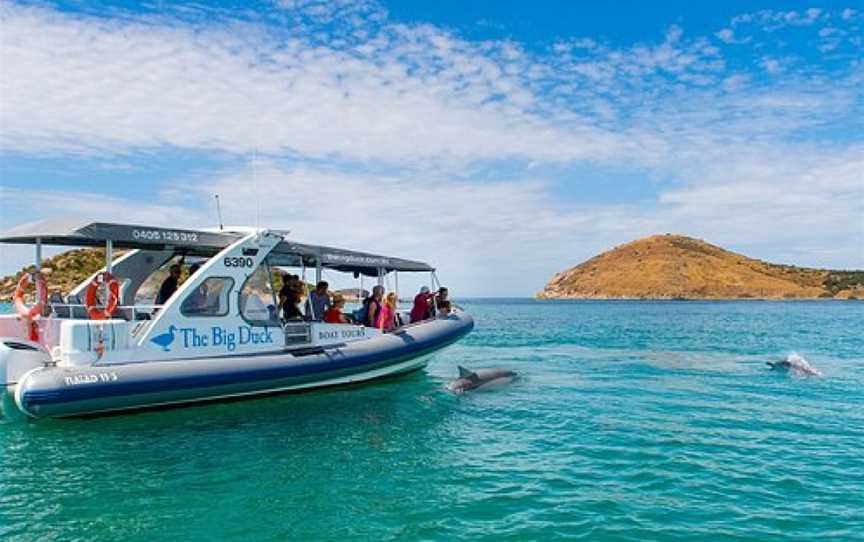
<point x="466" y="373"/>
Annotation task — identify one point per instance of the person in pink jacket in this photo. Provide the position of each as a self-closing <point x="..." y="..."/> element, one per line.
<point x="387" y="314"/>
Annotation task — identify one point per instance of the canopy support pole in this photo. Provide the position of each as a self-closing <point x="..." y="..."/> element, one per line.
<point x="380" y="276"/>
<point x="432" y="280"/>
<point x="396" y="285"/>
<point x="318" y="272"/>
<point x="109" y="256"/>
<point x="38" y="254"/>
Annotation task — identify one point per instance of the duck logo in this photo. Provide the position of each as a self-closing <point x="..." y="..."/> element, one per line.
<point x="164" y="340"/>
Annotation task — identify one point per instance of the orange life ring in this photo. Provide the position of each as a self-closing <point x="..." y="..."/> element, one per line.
<point x="31" y="313"/>
<point x="105" y="313"/>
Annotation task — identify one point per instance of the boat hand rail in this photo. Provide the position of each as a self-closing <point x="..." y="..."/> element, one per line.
<point x="144" y="308"/>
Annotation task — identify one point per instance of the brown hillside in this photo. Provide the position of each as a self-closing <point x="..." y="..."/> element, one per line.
<point x="62" y="272"/>
<point x="679" y="267"/>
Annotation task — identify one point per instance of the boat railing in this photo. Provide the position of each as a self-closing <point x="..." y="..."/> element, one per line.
<point x="79" y="310"/>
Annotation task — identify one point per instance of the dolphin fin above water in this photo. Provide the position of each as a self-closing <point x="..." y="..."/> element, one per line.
<point x="796" y="365"/>
<point x="481" y="378"/>
<point x="467" y="373"/>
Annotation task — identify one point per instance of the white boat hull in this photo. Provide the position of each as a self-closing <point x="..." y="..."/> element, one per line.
<point x="79" y="391"/>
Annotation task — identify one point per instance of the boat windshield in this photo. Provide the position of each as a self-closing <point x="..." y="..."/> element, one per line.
<point x="258" y="305"/>
<point x="210" y="298"/>
<point x="149" y="288"/>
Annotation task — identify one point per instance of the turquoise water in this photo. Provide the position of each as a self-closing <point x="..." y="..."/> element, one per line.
<point x="632" y="421"/>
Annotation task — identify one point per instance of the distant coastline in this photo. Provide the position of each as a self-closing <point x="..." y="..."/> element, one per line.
<point x="679" y="268"/>
<point x="656" y="268"/>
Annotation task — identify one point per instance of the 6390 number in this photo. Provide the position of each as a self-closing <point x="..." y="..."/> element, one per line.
<point x="235" y="261"/>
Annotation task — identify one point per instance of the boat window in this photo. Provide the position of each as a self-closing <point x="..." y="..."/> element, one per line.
<point x="258" y="304"/>
<point x="210" y="298"/>
<point x="149" y="289"/>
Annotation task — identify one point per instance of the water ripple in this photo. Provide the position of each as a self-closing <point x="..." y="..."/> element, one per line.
<point x="632" y="421"/>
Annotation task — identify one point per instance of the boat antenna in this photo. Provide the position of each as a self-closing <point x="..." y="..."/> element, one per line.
<point x="219" y="212"/>
<point x="257" y="190"/>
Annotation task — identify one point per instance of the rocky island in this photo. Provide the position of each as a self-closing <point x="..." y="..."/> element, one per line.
<point x="679" y="267"/>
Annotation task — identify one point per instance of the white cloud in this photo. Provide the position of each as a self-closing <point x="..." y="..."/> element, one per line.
<point x="771" y="65"/>
<point x="508" y="237"/>
<point x="726" y="35"/>
<point x="76" y="84"/>
<point x="735" y="82"/>
<point x="728" y="153"/>
<point x="20" y="206"/>
<point x="813" y="13"/>
<point x="487" y="239"/>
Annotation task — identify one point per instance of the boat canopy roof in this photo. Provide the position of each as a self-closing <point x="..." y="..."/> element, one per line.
<point x="204" y="243"/>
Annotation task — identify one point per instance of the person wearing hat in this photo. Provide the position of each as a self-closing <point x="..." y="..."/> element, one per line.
<point x="422" y="308"/>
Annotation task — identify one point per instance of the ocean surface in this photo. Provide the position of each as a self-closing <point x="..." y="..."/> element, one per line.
<point x="631" y="421"/>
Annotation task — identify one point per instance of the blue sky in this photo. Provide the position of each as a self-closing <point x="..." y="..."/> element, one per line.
<point x="502" y="141"/>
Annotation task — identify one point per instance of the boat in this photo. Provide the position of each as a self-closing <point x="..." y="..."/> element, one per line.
<point x="101" y="348"/>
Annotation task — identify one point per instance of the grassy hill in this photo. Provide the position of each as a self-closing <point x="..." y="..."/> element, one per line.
<point x="62" y="272"/>
<point x="679" y="267"/>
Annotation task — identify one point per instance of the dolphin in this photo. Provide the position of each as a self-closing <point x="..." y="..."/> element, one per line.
<point x="481" y="378"/>
<point x="795" y="364"/>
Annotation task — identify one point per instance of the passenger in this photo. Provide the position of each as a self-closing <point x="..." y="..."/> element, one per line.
<point x="204" y="300"/>
<point x="289" y="297"/>
<point x="442" y="303"/>
<point x="169" y="285"/>
<point x="372" y="306"/>
<point x="387" y="315"/>
<point x="196" y="303"/>
<point x="199" y="301"/>
<point x="422" y="305"/>
<point x="318" y="302"/>
<point x="334" y="314"/>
